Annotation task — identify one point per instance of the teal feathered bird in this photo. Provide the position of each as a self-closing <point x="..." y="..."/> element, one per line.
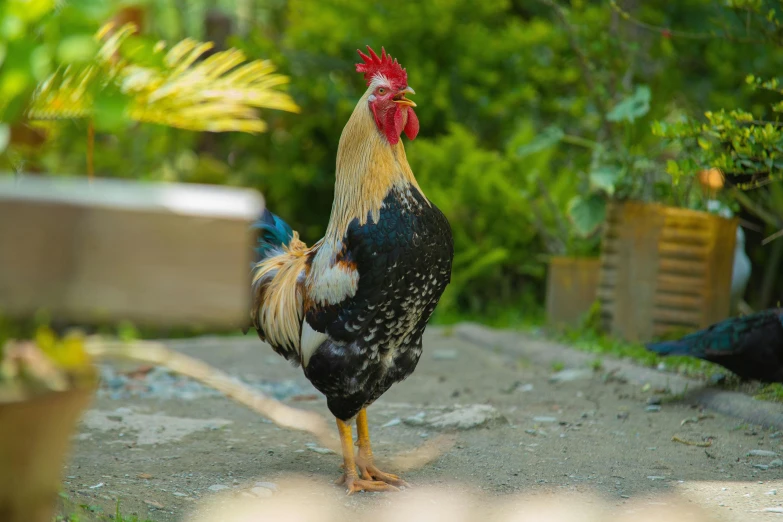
<point x="750" y="346"/>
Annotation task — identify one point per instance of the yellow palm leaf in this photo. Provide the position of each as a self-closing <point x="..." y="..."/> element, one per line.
<point x="218" y="94"/>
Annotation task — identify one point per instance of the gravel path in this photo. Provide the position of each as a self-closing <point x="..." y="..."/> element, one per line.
<point x="489" y="401"/>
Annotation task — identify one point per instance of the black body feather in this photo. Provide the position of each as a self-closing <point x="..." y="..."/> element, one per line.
<point x="750" y="346"/>
<point x="375" y="337"/>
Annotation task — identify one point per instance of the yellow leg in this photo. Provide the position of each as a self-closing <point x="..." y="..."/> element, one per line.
<point x="365" y="459"/>
<point x="350" y="478"/>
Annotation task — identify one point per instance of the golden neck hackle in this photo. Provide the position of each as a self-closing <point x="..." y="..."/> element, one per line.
<point x="367" y="168"/>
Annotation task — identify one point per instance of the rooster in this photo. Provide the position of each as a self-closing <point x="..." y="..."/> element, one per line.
<point x="750" y="346"/>
<point x="352" y="308"/>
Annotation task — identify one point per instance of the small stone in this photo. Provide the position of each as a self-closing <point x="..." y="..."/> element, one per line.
<point x="178" y="494"/>
<point x="777" y="463"/>
<point x="572" y="374"/>
<point x="146" y="476"/>
<point x="217" y="487"/>
<point x="466" y="418"/>
<point x="774" y="510"/>
<point x="444" y="355"/>
<point x="762" y="467"/>
<point x="415" y="420"/>
<point x="545" y="419"/>
<point x="776" y="435"/>
<point x="525" y="388"/>
<point x="652" y="408"/>
<point x="392" y="422"/>
<point x="772" y="492"/>
<point x="322" y="451"/>
<point x="261" y="492"/>
<point x="655" y="477"/>
<point x="761" y="453"/>
<point x="268" y="485"/>
<point x="153" y="503"/>
<point x="654" y="400"/>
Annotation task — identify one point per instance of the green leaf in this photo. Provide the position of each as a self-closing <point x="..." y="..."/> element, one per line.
<point x="605" y="177"/>
<point x="5" y="136"/>
<point x="550" y="136"/>
<point x="79" y="48"/>
<point x="141" y="51"/>
<point x="587" y="214"/>
<point x="110" y="110"/>
<point x="632" y="107"/>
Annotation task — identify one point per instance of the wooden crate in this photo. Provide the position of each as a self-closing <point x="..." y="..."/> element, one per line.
<point x="664" y="269"/>
<point x="571" y="289"/>
<point x="152" y="253"/>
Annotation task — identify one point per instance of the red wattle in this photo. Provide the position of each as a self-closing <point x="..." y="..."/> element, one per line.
<point x="412" y="126"/>
<point x="393" y="125"/>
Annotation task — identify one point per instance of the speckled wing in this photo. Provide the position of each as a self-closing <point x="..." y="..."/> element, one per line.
<point x="342" y="318"/>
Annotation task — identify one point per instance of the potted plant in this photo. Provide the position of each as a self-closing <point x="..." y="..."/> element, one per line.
<point x="45" y="385"/>
<point x="665" y="263"/>
<point x="745" y="153"/>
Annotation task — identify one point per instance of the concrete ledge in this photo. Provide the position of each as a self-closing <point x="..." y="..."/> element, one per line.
<point x="735" y="404"/>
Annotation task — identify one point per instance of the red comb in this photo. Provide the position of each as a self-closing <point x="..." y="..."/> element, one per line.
<point x="383" y="64"/>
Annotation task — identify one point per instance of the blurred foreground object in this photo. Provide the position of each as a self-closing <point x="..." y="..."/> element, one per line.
<point x="92" y="252"/>
<point x="750" y="346"/>
<point x="303" y="500"/>
<point x="44" y="387"/>
<point x="163" y="254"/>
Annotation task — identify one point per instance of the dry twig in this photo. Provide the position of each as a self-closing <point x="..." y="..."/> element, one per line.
<point x="279" y="413"/>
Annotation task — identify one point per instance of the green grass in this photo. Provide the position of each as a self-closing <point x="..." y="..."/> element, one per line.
<point x="74" y="512"/>
<point x="770" y="392"/>
<point x="587" y="338"/>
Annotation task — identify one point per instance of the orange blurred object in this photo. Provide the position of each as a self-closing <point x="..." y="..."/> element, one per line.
<point x="711" y="179"/>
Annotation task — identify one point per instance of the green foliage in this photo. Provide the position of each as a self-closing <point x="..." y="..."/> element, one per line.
<point x="532" y="114"/>
<point x="37" y="37"/>
<point x="770" y="392"/>
<point x="130" y="78"/>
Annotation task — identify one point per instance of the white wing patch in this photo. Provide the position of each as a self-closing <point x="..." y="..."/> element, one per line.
<point x="330" y="281"/>
<point x="309" y="342"/>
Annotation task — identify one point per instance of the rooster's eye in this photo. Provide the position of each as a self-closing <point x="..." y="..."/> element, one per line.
<point x="381" y="91"/>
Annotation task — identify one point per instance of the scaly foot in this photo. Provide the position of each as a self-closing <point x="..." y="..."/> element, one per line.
<point x="365" y="460"/>
<point x="370" y="471"/>
<point x="355" y="484"/>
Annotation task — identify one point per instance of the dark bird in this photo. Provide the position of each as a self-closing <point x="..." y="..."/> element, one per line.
<point x="751" y="346"/>
<point x="352" y="308"/>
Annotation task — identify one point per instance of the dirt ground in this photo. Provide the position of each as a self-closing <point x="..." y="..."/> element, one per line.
<point x="586" y="432"/>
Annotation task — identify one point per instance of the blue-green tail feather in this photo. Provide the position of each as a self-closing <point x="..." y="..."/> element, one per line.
<point x="273" y="234"/>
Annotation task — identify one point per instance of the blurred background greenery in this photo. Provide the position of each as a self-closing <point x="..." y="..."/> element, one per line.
<point x="533" y="113"/>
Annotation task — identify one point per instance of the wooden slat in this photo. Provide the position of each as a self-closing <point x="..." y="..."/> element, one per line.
<point x="678" y="300"/>
<point x="684" y="267"/>
<point x="683" y="251"/>
<point x="165" y="254"/>
<point x="675" y="316"/>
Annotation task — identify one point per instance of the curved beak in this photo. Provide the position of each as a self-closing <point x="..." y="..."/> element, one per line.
<point x="400" y="98"/>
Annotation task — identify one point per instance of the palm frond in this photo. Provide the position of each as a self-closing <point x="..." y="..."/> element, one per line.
<point x="217" y="94"/>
